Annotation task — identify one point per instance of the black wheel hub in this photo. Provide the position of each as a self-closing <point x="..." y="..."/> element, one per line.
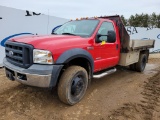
<point x="77" y="85"/>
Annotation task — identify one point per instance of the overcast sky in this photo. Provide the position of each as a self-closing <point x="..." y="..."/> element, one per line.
<point x="82" y="8"/>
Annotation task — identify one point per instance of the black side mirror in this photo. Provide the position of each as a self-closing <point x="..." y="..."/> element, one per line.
<point x="97" y="38"/>
<point x="111" y="36"/>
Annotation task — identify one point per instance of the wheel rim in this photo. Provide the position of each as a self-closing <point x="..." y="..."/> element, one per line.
<point x="77" y="85"/>
<point x="143" y="63"/>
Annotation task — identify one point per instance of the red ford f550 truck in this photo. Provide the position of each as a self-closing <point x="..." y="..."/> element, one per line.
<point x="74" y="54"/>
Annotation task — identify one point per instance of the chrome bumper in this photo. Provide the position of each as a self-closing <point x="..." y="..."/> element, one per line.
<point x="36" y="75"/>
<point x="33" y="79"/>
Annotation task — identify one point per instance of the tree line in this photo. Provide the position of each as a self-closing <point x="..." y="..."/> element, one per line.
<point x="142" y="20"/>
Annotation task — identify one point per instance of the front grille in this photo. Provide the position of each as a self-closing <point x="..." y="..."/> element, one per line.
<point x="19" y="54"/>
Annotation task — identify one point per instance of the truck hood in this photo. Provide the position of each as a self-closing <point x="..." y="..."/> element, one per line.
<point x="54" y="41"/>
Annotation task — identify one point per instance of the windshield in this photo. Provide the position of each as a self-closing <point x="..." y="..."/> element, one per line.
<point x="83" y="28"/>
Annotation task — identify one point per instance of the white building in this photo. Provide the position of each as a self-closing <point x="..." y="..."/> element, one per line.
<point x="145" y="33"/>
<point x="14" y="22"/>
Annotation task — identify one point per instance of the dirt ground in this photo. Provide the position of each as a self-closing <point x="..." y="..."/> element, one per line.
<point x="124" y="95"/>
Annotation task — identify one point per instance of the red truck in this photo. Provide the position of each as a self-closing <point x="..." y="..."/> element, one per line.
<point x="74" y="54"/>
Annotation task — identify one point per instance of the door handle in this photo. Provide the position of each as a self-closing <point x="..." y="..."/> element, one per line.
<point x="117" y="46"/>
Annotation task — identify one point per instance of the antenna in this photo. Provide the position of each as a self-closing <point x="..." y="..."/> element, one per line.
<point x="48" y="21"/>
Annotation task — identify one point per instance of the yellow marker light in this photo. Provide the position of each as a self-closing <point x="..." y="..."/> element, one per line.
<point x="50" y="61"/>
<point x="95" y="17"/>
<point x="49" y="55"/>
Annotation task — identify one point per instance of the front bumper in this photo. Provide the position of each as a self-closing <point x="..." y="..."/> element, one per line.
<point x="36" y="75"/>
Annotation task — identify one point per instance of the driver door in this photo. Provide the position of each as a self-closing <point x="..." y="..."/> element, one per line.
<point x="109" y="50"/>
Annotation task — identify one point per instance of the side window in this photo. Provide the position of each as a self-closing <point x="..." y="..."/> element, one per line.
<point x="103" y="30"/>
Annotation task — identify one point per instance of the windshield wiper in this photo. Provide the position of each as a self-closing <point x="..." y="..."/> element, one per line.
<point x="54" y="33"/>
<point x="68" y="34"/>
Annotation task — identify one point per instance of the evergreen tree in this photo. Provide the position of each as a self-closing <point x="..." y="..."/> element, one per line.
<point x="142" y="20"/>
<point x="158" y="21"/>
<point x="153" y="19"/>
<point x="131" y="20"/>
<point x="124" y="20"/>
<point x="145" y="20"/>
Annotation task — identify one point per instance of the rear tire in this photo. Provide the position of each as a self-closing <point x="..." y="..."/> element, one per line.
<point x="73" y="85"/>
<point x="141" y="64"/>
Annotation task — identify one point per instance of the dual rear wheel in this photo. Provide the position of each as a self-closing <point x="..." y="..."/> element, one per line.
<point x="141" y="64"/>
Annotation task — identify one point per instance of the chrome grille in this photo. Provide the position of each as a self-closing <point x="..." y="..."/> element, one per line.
<point x="19" y="54"/>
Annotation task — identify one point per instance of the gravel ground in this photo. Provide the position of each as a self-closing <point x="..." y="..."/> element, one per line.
<point x="124" y="95"/>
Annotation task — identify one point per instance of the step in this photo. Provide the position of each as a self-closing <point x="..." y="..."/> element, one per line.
<point x="107" y="72"/>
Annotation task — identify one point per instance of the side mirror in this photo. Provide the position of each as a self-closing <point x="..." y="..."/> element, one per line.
<point x="111" y="37"/>
<point x="97" y="38"/>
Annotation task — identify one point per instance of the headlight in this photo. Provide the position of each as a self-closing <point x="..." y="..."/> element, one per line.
<point x="42" y="56"/>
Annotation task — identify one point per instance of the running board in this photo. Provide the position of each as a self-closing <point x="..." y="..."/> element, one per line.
<point x="105" y="73"/>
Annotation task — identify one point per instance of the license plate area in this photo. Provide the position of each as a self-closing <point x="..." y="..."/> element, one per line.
<point x="10" y="74"/>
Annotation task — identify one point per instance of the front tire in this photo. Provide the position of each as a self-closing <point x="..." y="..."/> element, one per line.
<point x="73" y="85"/>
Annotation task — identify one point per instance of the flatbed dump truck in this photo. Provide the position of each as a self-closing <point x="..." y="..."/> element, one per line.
<point x="74" y="54"/>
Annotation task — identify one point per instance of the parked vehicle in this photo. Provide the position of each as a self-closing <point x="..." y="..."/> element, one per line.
<point x="74" y="54"/>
